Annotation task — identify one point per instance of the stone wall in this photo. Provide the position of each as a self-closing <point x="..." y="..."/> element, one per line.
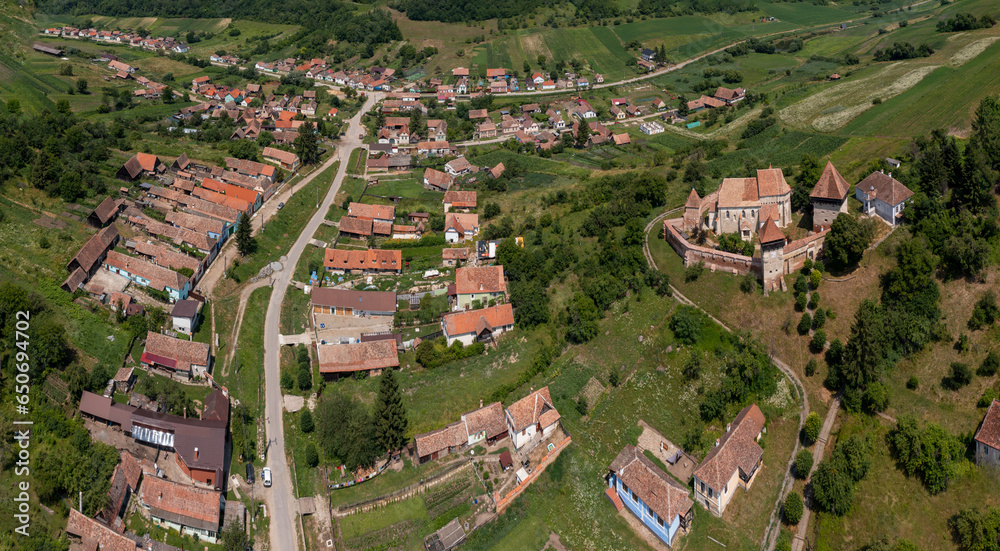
<point x="736" y="264"/>
<point x="796" y="252"/>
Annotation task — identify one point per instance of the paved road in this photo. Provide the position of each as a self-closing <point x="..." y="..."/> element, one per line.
<point x="283" y="505"/>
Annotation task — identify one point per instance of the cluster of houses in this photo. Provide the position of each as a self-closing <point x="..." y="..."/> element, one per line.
<point x="376" y="78"/>
<point x="666" y="506"/>
<point x="166" y="43"/>
<point x="195" y="210"/>
<point x="194" y="504"/>
<point x="527" y="421"/>
<point x="723" y="97"/>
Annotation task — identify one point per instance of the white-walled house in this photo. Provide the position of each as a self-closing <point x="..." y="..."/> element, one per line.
<point x="733" y="462"/>
<point x="483" y="325"/>
<point x="882" y="195"/>
<point x="988" y="437"/>
<point x="530" y="416"/>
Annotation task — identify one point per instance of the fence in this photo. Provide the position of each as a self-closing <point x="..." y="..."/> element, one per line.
<point x="404" y="493"/>
<point x="504" y="502"/>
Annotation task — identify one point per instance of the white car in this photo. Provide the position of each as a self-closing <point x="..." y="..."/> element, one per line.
<point x="265" y="476"/>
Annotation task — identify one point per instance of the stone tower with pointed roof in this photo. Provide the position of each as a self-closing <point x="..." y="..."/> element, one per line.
<point x="828" y="197"/>
<point x="772" y="244"/>
<point x="692" y="211"/>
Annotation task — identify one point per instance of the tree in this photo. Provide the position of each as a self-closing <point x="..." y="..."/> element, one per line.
<point x="812" y="427"/>
<point x="306" y="421"/>
<point x="793" y="508"/>
<point x="491" y="210"/>
<point x="686" y="324"/>
<point x="977" y="529"/>
<point x="304" y="379"/>
<point x="803" y="464"/>
<point x="81" y="85"/>
<point x="959" y="376"/>
<point x="810" y="170"/>
<point x="234" y="537"/>
<point x="14" y="106"/>
<point x="312" y="455"/>
<point x="867" y="353"/>
<point x="307" y="144"/>
<point x="931" y="454"/>
<point x="985" y="312"/>
<point x="245" y="242"/>
<point x="832" y="491"/>
<point x="805" y="322"/>
<point x="692" y="366"/>
<point x="244" y="149"/>
<point x="876" y="397"/>
<point x="581" y="316"/>
<point x="847" y="240"/>
<point x="990" y="365"/>
<point x="390" y="416"/>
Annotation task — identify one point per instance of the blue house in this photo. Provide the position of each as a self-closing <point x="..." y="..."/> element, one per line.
<point x="659" y="501"/>
<point x="147" y="274"/>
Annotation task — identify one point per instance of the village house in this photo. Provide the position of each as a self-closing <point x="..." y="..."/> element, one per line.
<point x="407" y="232"/>
<point x="184" y="316"/>
<point x="106" y="212"/>
<point x="370" y="261"/>
<point x="483" y="284"/>
<point x="729" y="96"/>
<point x="483" y="325"/>
<point x="883" y="196"/>
<point x="460" y="226"/>
<point x="189" y="359"/>
<point x="124" y="482"/>
<point x="459" y="166"/>
<point x="212" y="227"/>
<point x="436" y="180"/>
<point x="372" y="357"/>
<point x="732" y="463"/>
<point x="486" y="424"/>
<point x="531" y="416"/>
<point x="149" y="275"/>
<point x="89" y="258"/>
<point x="988" y="437"/>
<point x="140" y="164"/>
<point x="484" y="130"/>
<point x="451" y="257"/>
<point x="437" y="130"/>
<point x="659" y="501"/>
<point x="285" y="159"/>
<point x="828" y="197"/>
<point x="496" y="171"/>
<point x="705" y="102"/>
<point x="164" y="256"/>
<point x="187" y="509"/>
<point x="86" y="533"/>
<point x="251" y="168"/>
<point x="648" y="55"/>
<point x="463" y="201"/>
<point x="435" y="148"/>
<point x="343" y="302"/>
<point x="379" y="213"/>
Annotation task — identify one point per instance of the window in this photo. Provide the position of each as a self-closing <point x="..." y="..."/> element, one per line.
<point x="635" y="498"/>
<point x="660" y="521"/>
<point x="623" y="486"/>
<point x="725" y="489"/>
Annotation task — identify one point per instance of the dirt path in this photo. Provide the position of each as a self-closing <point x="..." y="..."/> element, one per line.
<point x="771" y="533"/>
<point x="824" y="435"/>
<point x="244" y="296"/>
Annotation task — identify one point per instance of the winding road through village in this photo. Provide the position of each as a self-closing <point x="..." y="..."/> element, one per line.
<point x="284" y="506"/>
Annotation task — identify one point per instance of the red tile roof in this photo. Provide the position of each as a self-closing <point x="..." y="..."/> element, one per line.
<point x="95" y="247"/>
<point x="461" y="222"/>
<point x="437" y="178"/>
<point x="192" y="506"/>
<point x="185" y="353"/>
<point x="280" y="155"/>
<point x="461" y="199"/>
<point x="356" y="226"/>
<point x="454" y="254"/>
<point x="344" y="358"/>
<point x="371" y="259"/>
<point x="771" y="182"/>
<point x="379" y="212"/>
<point x="368" y="301"/>
<point x="95" y="535"/>
<point x="989" y="430"/>
<point x="737" y="449"/>
<point x="831" y="185"/>
<point x="693" y="201"/>
<point x="535" y="408"/>
<point x="488" y="419"/>
<point x="770" y="232"/>
<point x="658" y="490"/>
<point x="158" y="276"/>
<point x="481" y="279"/>
<point x="476" y="321"/>
<point x="886" y="188"/>
<point x="451" y="436"/>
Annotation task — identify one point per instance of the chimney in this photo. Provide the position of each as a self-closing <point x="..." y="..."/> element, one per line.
<point x="716" y="442"/>
<point x="480" y="402"/>
<point x="890" y="174"/>
<point x="185" y="412"/>
<point x="196" y="454"/>
<point x="728" y="426"/>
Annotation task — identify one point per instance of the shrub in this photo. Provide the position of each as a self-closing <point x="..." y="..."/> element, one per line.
<point x="985" y="312"/>
<point x="312" y="455"/>
<point x="581" y="405"/>
<point x="287" y="380"/>
<point x="876" y="397"/>
<point x="815" y="278"/>
<point x="793" y="508"/>
<point x="804" y="323"/>
<point x="912" y="383"/>
<point x="990" y="365"/>
<point x="811" y="367"/>
<point x="818" y="341"/>
<point x="814" y="300"/>
<point x="962" y="344"/>
<point x="748" y="284"/>
<point x="819" y="320"/>
<point x="306" y="421"/>
<point x="801" y="285"/>
<point x="44" y="242"/>
<point x="686" y="324"/>
<point x="987" y="398"/>
<point x="800" y="302"/>
<point x="812" y="428"/>
<point x="613" y="378"/>
<point x="959" y="376"/>
<point x="305" y="379"/>
<point x="692" y="366"/>
<point x="694" y="271"/>
<point x="803" y="464"/>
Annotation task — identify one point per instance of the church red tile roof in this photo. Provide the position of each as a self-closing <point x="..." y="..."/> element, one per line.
<point x="831" y="185"/>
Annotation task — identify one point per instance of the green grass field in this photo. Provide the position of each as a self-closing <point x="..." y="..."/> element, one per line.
<point x="595" y="45"/>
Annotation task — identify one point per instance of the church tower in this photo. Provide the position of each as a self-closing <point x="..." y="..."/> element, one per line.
<point x="772" y="243"/>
